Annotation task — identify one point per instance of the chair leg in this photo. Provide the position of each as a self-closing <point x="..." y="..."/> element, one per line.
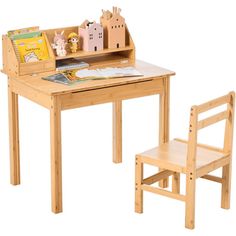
<point x="176" y="182"/>
<point x="226" y="186"/>
<point x="190" y="202"/>
<point x="164" y="183"/>
<point x="138" y="182"/>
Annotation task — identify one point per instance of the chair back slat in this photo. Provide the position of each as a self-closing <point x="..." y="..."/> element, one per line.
<point x="196" y="125"/>
<point x="213" y="103"/>
<point x="213" y="119"/>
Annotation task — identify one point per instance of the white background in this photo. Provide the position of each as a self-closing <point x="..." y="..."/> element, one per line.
<point x="197" y="40"/>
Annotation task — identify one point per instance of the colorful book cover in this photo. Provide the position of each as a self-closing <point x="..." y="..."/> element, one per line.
<point x="57" y="78"/>
<point x="78" y="76"/>
<point x="26" y="35"/>
<point x="32" y="49"/>
<point x="106" y="73"/>
<point x="22" y="31"/>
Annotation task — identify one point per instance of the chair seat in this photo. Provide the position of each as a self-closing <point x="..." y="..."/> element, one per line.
<point x="173" y="156"/>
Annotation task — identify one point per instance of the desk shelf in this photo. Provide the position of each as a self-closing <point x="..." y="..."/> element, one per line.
<point x="14" y="68"/>
<point x="82" y="54"/>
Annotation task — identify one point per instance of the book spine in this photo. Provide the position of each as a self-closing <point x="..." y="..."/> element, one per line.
<point x="16" y="51"/>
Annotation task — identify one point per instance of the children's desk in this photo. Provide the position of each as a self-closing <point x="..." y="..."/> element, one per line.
<point x="25" y="79"/>
<point x="57" y="97"/>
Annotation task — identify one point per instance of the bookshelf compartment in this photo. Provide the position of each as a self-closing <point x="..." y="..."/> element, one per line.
<point x="14" y="67"/>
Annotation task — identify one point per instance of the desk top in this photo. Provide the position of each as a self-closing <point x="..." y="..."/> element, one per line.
<point x="50" y="88"/>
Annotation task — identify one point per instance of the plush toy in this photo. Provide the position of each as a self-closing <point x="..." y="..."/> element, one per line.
<point x="73" y="40"/>
<point x="60" y="44"/>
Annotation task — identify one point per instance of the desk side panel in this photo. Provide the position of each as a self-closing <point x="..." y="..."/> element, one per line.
<point x="4" y="54"/>
<point x="111" y="94"/>
<point x="27" y="92"/>
<point x="10" y="62"/>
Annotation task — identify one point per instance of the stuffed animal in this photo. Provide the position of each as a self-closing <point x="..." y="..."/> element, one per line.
<point x="60" y="44"/>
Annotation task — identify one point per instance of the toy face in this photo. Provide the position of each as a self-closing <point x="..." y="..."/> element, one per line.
<point x="60" y="42"/>
<point x="74" y="40"/>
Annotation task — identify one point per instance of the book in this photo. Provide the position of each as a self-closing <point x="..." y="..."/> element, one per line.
<point x="22" y="31"/>
<point x="70" y="64"/>
<point x="83" y="75"/>
<point x="109" y="72"/>
<point x="26" y="35"/>
<point x="32" y="49"/>
<point x="57" y="78"/>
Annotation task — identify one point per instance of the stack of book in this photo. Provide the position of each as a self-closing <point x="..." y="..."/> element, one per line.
<point x="30" y="44"/>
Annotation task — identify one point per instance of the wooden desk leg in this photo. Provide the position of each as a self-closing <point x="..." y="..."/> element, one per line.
<point x="56" y="166"/>
<point x="164" y="121"/>
<point x="117" y="131"/>
<point x="14" y="136"/>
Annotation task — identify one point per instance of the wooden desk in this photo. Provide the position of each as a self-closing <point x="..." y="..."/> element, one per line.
<point x="57" y="97"/>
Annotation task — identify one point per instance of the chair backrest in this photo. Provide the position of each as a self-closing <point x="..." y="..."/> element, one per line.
<point x="196" y="124"/>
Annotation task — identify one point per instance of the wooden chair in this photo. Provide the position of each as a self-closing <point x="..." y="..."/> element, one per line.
<point x="190" y="158"/>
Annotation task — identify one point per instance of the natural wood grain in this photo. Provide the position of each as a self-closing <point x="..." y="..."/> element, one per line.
<point x="111" y="94"/>
<point x="193" y="159"/>
<point x="213" y="119"/>
<point x="157" y="177"/>
<point x="117" y="131"/>
<point x="67" y="30"/>
<point x="226" y="186"/>
<point x="212" y="166"/>
<point x="174" y="153"/>
<point x="14" y="67"/>
<point x="31" y="94"/>
<point x="14" y="136"/>
<point x="176" y="182"/>
<point x="83" y="54"/>
<point x="33" y="68"/>
<point x="26" y="80"/>
<point x="138" y="183"/>
<point x="164" y="121"/>
<point x="149" y="71"/>
<point x="56" y="165"/>
<point x="4" y="54"/>
<point x="228" y="145"/>
<point x="89" y="93"/>
<point x="213" y="103"/>
<point x="163" y="192"/>
<point x="212" y="178"/>
<point x="10" y="61"/>
<point x="212" y="148"/>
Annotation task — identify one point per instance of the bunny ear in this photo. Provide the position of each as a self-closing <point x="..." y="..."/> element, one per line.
<point x="62" y="32"/>
<point x="55" y="33"/>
